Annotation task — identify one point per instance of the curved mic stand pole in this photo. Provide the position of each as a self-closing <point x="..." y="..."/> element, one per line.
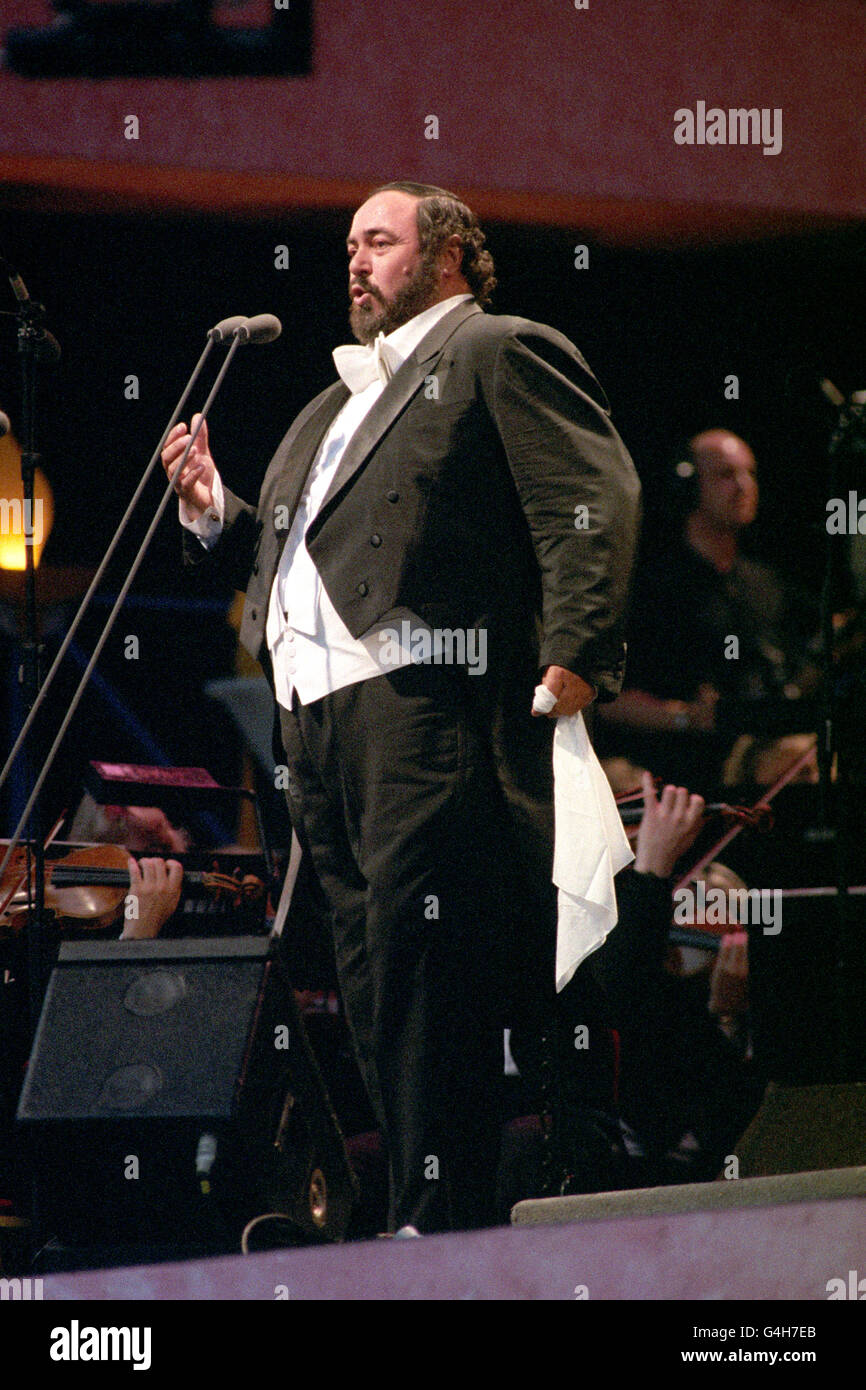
<point x="104" y="635"/>
<point x="35" y="345"/>
<point x="218" y="334"/>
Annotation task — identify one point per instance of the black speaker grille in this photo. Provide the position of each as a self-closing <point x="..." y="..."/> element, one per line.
<point x="157" y="1040"/>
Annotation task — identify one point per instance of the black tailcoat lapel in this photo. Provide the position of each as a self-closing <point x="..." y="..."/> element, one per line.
<point x="408" y="379"/>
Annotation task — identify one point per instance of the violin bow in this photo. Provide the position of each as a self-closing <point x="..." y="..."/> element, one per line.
<point x="752" y="812"/>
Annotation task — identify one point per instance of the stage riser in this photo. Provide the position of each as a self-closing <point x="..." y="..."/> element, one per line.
<point x="780" y="1252"/>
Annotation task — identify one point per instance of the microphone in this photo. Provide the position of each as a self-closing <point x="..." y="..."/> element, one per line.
<point x="225" y="329"/>
<point x="262" y="328"/>
<point x="851" y="428"/>
<point x="48" y="347"/>
<point x="5" y="424"/>
<point x="831" y="392"/>
<point x="19" y="289"/>
<point x="835" y="397"/>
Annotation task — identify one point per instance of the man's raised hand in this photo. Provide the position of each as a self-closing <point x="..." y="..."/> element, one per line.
<point x="195" y="485"/>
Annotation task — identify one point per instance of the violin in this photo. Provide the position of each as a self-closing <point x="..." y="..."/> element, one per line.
<point x="88" y="886"/>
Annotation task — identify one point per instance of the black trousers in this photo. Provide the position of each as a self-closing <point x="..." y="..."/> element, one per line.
<point x="393" y="793"/>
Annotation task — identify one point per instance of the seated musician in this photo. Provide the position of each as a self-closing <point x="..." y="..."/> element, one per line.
<point x="155" y="889"/>
<point x="708" y="624"/>
<point x="570" y="1048"/>
<point x="722" y="964"/>
<point x="686" y="1087"/>
<point x="685" y="1091"/>
<point x="224" y="893"/>
<point x="154" y="882"/>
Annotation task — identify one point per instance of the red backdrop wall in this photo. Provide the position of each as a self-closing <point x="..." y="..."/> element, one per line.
<point x="545" y="112"/>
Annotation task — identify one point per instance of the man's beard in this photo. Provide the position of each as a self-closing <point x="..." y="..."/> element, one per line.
<point x="383" y="316"/>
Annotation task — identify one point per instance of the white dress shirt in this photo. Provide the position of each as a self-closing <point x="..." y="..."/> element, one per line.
<point x="312" y="650"/>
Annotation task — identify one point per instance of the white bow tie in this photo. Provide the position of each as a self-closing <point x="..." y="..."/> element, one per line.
<point x="359" y="366"/>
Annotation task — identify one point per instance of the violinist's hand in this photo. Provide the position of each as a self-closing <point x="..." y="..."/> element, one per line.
<point x="670" y="825"/>
<point x="155" y="889"/>
<point x="195" y="484"/>
<point x="572" y="692"/>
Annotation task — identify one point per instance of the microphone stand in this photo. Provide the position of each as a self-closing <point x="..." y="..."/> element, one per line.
<point x="240" y="335"/>
<point x="35" y="347"/>
<point x="218" y="334"/>
<point x="36" y="344"/>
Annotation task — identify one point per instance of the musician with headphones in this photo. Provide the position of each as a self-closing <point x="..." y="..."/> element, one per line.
<point x="708" y="624"/>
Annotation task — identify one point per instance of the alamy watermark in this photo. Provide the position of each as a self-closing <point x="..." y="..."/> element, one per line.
<point x="846" y="518"/>
<point x="738" y="125"/>
<point x="20" y="518"/>
<point x="77" y="1343"/>
<point x="436" y="646"/>
<point x="719" y="907"/>
<point x="20" y="1290"/>
<point x="853" y="1288"/>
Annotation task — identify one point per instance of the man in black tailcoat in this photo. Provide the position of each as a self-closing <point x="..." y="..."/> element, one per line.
<point x="449" y="523"/>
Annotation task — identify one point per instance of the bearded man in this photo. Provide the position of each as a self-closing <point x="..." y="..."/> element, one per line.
<point x="459" y="490"/>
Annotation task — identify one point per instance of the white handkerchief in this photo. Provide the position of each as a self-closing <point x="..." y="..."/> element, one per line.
<point x="590" y="847"/>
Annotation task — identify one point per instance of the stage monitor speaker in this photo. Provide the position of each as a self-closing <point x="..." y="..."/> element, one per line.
<point x="808" y="1021"/>
<point x="171" y="1095"/>
<point x="805" y="1128"/>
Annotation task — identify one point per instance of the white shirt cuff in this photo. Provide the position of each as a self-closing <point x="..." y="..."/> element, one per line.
<point x="209" y="525"/>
